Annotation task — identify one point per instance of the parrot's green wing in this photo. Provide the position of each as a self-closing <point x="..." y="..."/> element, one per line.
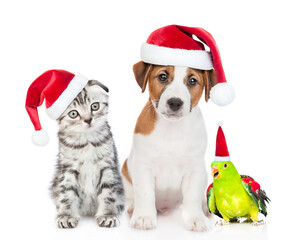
<point x="253" y="189"/>
<point x="211" y="201"/>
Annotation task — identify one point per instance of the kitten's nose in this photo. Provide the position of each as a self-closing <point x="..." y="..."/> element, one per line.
<point x="88" y="121"/>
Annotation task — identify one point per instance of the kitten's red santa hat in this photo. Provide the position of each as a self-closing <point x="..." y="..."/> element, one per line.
<point x="175" y="45"/>
<point x="58" y="88"/>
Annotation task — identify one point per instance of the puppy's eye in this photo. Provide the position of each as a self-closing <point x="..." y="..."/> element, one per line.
<point x="163" y="77"/>
<point x="225" y="165"/>
<point x="95" y="106"/>
<point x="192" y="82"/>
<point x="73" y="114"/>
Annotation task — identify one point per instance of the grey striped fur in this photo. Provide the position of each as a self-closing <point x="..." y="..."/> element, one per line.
<point x="87" y="179"/>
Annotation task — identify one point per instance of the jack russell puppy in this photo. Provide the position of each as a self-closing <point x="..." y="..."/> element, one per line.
<point x="166" y="166"/>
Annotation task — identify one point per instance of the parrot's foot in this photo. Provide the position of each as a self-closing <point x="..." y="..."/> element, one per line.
<point x="258" y="223"/>
<point x="223" y="223"/>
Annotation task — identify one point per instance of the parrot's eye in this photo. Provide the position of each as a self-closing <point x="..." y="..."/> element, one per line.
<point x="225" y="165"/>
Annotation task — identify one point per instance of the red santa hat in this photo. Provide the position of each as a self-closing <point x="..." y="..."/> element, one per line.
<point x="174" y="45"/>
<point x="222" y="154"/>
<point x="58" y="88"/>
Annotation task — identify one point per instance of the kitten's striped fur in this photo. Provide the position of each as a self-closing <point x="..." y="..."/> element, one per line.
<point x="87" y="180"/>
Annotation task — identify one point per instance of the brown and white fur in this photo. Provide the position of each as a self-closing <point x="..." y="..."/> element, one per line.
<point x="166" y="165"/>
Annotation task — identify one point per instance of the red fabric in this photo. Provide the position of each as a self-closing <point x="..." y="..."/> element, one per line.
<point x="221" y="146"/>
<point x="208" y="189"/>
<point x="175" y="36"/>
<point x="48" y="86"/>
<point x="172" y="37"/>
<point x="254" y="185"/>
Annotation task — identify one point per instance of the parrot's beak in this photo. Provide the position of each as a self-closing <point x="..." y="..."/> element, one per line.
<point x="215" y="172"/>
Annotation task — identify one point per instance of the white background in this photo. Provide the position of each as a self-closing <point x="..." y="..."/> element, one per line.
<point x="262" y="46"/>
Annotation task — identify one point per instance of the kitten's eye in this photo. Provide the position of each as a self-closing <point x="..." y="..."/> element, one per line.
<point x="225" y="165"/>
<point x="95" y="106"/>
<point x="192" y="82"/>
<point x="163" y="77"/>
<point x="73" y="114"/>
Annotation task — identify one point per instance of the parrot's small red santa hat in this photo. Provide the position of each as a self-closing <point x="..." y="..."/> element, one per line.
<point x="222" y="154"/>
<point x="58" y="88"/>
<point x="175" y="45"/>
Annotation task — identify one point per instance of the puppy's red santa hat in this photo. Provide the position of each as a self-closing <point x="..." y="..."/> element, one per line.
<point x="58" y="88"/>
<point x="174" y="45"/>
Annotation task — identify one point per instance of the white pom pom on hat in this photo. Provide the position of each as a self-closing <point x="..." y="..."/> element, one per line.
<point x="57" y="88"/>
<point x="219" y="123"/>
<point x="40" y="138"/>
<point x="222" y="94"/>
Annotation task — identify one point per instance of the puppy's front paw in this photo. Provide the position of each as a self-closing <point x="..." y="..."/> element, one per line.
<point x="107" y="221"/>
<point x="143" y="222"/>
<point x="198" y="222"/>
<point x="67" y="221"/>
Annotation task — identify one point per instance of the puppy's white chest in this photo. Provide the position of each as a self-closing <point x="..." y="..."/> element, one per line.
<point x="173" y="150"/>
<point x="168" y="179"/>
<point x="176" y="139"/>
<point x="168" y="176"/>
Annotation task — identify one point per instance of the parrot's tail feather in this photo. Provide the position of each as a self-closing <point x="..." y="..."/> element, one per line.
<point x="262" y="200"/>
<point x="258" y="195"/>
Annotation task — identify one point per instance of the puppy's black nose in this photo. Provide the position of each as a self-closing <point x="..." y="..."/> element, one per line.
<point x="88" y="121"/>
<point x="175" y="103"/>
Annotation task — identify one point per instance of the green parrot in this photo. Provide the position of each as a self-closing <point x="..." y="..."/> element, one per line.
<point x="231" y="195"/>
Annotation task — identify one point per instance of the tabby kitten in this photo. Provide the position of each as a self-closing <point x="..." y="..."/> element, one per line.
<point x="87" y="179"/>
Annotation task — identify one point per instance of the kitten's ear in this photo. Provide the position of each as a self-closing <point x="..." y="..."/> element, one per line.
<point x="95" y="82"/>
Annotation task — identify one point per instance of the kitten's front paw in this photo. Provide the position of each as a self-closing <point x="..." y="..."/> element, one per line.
<point x="67" y="221"/>
<point x="143" y="222"/>
<point x="198" y="223"/>
<point x="107" y="221"/>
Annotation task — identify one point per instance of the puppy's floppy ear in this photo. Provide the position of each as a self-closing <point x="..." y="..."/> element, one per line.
<point x="209" y="81"/>
<point x="142" y="72"/>
<point x="95" y="82"/>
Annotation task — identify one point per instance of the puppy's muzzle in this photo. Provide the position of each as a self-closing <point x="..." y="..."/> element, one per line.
<point x="175" y="104"/>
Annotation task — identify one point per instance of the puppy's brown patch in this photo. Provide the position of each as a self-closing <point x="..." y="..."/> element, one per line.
<point x="125" y="171"/>
<point x="142" y="71"/>
<point x="150" y="74"/>
<point x="210" y="80"/>
<point x="146" y="120"/>
<point x="196" y="90"/>
<point x="156" y="87"/>
<point x="206" y="79"/>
